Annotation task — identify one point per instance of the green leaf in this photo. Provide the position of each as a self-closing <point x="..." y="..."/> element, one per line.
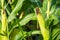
<point x="34" y="32"/>
<point x="58" y="37"/>
<point x="8" y="11"/>
<point x="15" y="11"/>
<point x="57" y="11"/>
<point x="58" y="2"/>
<point x="19" y="35"/>
<point x="2" y="2"/>
<point x="55" y="18"/>
<point x="44" y="5"/>
<point x="55" y="32"/>
<point x="53" y="6"/>
<point x="34" y="17"/>
<point x="26" y="19"/>
<point x="23" y="34"/>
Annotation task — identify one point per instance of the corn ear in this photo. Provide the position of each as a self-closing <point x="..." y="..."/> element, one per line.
<point x="44" y="31"/>
<point x="4" y="25"/>
<point x="4" y="22"/>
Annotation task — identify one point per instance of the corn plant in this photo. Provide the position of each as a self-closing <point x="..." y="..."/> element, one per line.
<point x="29" y="19"/>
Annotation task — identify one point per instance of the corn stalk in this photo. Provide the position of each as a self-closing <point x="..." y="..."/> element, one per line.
<point x="48" y="8"/>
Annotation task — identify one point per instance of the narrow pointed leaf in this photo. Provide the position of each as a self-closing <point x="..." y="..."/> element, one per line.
<point x="15" y="11"/>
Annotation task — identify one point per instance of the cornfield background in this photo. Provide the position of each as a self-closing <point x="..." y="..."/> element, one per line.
<point x="29" y="19"/>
